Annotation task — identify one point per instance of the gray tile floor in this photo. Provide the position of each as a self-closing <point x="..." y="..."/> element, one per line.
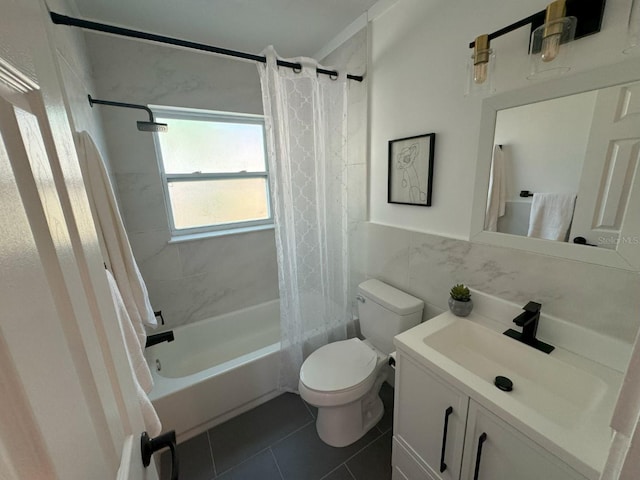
<point x="278" y="441"/>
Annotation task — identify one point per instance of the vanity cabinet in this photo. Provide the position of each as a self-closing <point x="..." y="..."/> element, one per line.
<point x="442" y="434"/>
<point x="429" y="422"/>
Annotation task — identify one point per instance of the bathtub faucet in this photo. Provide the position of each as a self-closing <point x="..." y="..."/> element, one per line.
<point x="159" y="338"/>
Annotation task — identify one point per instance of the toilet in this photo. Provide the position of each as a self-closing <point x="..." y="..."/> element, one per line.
<point x="343" y="379"/>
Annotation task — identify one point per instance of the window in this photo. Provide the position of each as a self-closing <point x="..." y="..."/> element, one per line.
<point x="214" y="170"/>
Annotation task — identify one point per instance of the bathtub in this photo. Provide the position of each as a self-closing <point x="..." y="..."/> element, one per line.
<point x="216" y="369"/>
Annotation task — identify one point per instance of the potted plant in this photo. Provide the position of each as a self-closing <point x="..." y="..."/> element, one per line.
<point x="460" y="302"/>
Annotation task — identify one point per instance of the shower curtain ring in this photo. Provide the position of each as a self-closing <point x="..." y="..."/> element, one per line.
<point x="334" y="76"/>
<point x="297" y="69"/>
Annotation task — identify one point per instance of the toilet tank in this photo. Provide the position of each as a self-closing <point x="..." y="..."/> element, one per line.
<point x="385" y="312"/>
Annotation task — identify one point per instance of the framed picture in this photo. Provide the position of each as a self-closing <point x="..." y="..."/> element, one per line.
<point x="411" y="170"/>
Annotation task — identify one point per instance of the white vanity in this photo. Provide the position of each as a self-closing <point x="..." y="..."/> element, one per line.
<point x="451" y="422"/>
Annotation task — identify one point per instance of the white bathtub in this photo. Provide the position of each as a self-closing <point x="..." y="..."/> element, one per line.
<point x="216" y="369"/>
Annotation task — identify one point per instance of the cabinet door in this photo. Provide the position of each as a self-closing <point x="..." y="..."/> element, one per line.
<point x="495" y="450"/>
<point x="430" y="418"/>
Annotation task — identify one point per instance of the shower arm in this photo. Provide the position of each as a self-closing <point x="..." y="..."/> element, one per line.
<point x="121" y="104"/>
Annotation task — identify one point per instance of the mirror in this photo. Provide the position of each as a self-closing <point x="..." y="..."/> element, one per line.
<point x="558" y="164"/>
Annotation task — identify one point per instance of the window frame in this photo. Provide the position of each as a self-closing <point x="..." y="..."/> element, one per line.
<point x="221" y="117"/>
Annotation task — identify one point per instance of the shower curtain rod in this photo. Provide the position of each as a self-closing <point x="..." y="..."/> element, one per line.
<point x="126" y="32"/>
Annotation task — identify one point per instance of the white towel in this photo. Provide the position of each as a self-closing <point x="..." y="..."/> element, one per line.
<point x="497" y="198"/>
<point x="113" y="237"/>
<point x="139" y="367"/>
<point x="623" y="462"/>
<point x="551" y="215"/>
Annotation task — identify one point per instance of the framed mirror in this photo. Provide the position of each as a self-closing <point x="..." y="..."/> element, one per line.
<point x="558" y="164"/>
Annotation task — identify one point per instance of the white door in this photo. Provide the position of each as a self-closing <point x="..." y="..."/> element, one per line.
<point x="68" y="408"/>
<point x="612" y="158"/>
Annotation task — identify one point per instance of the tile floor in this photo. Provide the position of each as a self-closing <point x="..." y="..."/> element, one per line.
<point x="278" y="441"/>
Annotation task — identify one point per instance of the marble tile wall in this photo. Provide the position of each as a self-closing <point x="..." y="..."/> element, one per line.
<point x="600" y="298"/>
<point x="192" y="280"/>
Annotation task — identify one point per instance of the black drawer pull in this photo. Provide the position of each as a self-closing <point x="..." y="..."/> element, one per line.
<point x="481" y="440"/>
<point x="448" y="411"/>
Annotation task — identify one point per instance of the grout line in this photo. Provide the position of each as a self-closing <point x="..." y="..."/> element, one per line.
<point x="349" y="470"/>
<point x="244" y="461"/>
<point x="213" y="461"/>
<point x="291" y="433"/>
<point x="308" y="409"/>
<point x="276" y="462"/>
<point x="363" y="448"/>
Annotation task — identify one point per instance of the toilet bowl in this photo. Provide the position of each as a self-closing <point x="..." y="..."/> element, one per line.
<point x="343" y="379"/>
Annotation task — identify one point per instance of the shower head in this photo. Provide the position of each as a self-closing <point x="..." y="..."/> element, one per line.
<point x="150" y="126"/>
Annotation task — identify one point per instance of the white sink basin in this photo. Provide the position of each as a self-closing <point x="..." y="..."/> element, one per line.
<point x="555" y="389"/>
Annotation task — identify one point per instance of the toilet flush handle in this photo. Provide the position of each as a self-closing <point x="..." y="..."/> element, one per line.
<point x="360" y="298"/>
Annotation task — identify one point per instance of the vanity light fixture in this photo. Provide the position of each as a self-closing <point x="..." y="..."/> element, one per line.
<point x="550" y="45"/>
<point x="552" y="33"/>
<point x="480" y="67"/>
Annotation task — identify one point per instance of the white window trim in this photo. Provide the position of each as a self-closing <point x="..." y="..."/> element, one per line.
<point x="195" y="233"/>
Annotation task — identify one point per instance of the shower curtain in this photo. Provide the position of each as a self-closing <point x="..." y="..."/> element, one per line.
<point x="305" y="120"/>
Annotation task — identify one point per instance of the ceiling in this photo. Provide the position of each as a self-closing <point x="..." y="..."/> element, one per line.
<point x="294" y="27"/>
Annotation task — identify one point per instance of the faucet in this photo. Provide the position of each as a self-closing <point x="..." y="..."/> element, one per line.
<point x="528" y="320"/>
<point x="159" y="338"/>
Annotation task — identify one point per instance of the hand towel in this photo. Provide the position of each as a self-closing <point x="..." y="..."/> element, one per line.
<point x="113" y="237"/>
<point x="497" y="198"/>
<point x="139" y="368"/>
<point x="551" y="215"/>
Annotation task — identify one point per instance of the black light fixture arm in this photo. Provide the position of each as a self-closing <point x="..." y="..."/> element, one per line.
<point x="127" y="32"/>
<point x="121" y="104"/>
<point x="588" y="12"/>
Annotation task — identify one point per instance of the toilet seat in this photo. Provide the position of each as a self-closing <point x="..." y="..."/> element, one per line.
<point x="338" y="366"/>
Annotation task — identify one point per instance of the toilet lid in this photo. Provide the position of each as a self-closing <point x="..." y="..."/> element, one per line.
<point x="338" y="365"/>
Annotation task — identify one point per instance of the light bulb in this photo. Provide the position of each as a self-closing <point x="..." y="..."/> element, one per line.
<point x="550" y="47"/>
<point x="480" y="72"/>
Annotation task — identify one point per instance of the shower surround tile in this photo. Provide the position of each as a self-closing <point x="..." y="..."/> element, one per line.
<point x="142" y="201"/>
<point x="203" y="256"/>
<point x="193" y="280"/>
<point x="156" y="258"/>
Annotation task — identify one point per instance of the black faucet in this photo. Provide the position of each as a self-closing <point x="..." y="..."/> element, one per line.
<point x="528" y="320"/>
<point x="159" y="338"/>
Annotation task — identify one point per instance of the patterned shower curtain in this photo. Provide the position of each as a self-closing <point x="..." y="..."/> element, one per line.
<point x="306" y="119"/>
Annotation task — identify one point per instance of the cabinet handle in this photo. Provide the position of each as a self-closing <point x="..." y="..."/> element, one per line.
<point x="448" y="411"/>
<point x="150" y="445"/>
<point x="481" y="440"/>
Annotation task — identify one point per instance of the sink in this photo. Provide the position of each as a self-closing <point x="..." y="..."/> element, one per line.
<point x="553" y="388"/>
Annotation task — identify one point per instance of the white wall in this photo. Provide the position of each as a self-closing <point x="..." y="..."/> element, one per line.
<point x="417" y="77"/>
<point x="197" y="279"/>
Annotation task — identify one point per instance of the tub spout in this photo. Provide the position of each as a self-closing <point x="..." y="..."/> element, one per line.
<point x="159" y="338"/>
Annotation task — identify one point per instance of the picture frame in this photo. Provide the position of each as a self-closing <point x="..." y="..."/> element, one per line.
<point x="410" y="175"/>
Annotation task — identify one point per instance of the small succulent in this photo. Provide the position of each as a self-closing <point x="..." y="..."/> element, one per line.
<point x="460" y="293"/>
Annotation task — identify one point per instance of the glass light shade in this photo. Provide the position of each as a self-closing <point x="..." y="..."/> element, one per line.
<point x="550" y="51"/>
<point x="633" y="31"/>
<point x="480" y="69"/>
